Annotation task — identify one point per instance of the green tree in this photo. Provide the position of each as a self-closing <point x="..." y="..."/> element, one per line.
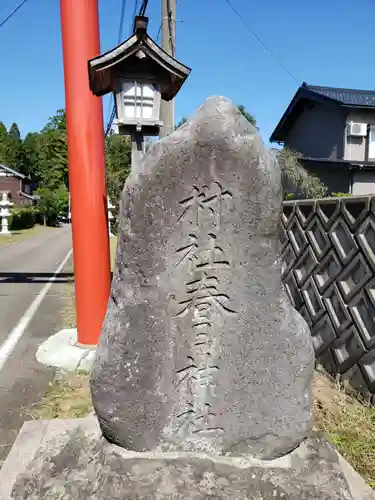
<point x="52" y="168"/>
<point x="46" y="153"/>
<point x="46" y="205"/>
<point x="56" y="122"/>
<point x="118" y="163"/>
<point x="62" y="199"/>
<point x="52" y="203"/>
<point x="31" y="149"/>
<point x="15" y="153"/>
<point x="43" y="156"/>
<point x="11" y="150"/>
<point x="249" y="117"/>
<point x="14" y="132"/>
<point x="46" y="162"/>
<point x="3" y="131"/>
<point x="296" y="179"/>
<point x="4" y="143"/>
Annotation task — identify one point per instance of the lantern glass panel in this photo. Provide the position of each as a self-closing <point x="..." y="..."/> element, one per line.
<point x="139" y="100"/>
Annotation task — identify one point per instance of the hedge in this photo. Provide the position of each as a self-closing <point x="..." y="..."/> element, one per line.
<point x="23" y="218"/>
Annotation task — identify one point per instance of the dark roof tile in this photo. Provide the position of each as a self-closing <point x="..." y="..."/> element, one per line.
<point x="347" y="97"/>
<point x="352" y="98"/>
<point x="12" y="171"/>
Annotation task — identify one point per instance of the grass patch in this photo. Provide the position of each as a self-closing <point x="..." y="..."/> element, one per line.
<point x="348" y="423"/>
<point x="68" y="396"/>
<point x="23" y="234"/>
<point x="69" y="312"/>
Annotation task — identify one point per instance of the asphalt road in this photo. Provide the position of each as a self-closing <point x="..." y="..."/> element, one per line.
<point x="25" y="268"/>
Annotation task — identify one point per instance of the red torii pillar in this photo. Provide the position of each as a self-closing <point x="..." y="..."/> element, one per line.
<point x="84" y="116"/>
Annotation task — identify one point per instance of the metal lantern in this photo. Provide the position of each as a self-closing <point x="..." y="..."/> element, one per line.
<point x="140" y="74"/>
<point x="137" y="104"/>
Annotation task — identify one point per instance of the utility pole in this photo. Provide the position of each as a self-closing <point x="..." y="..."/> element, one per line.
<point x="84" y="117"/>
<point x="168" y="43"/>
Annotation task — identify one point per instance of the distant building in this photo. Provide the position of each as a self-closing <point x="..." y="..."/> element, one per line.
<point x="18" y="186"/>
<point x="114" y="128"/>
<point x="333" y="129"/>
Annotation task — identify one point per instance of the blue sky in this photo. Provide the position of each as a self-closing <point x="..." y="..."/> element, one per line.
<point x="325" y="42"/>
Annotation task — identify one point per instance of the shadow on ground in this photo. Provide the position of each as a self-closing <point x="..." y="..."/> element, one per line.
<point x="19" y="277"/>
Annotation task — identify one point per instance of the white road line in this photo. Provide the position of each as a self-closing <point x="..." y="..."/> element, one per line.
<point x="8" y="346"/>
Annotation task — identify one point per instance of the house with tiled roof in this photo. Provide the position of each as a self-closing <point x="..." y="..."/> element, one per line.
<point x="19" y="187"/>
<point x="334" y="131"/>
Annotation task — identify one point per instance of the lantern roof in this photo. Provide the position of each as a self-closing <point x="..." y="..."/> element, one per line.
<point x="139" y="56"/>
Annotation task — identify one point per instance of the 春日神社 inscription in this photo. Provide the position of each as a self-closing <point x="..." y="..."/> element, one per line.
<point x="200" y="262"/>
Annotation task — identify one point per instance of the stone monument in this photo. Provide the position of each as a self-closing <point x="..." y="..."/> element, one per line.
<point x="5" y="206"/>
<point x="200" y="350"/>
<point x="201" y="383"/>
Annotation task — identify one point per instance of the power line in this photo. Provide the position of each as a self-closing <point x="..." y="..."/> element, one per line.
<point x="135" y="8"/>
<point x="122" y="19"/>
<point x="159" y="32"/>
<point x="142" y="10"/>
<point x="119" y="38"/>
<point x="134" y="13"/>
<point x="264" y="45"/>
<point x="110" y="121"/>
<point x="12" y="13"/>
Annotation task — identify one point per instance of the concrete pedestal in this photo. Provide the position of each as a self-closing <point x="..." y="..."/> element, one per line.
<point x="62" y="350"/>
<point x="69" y="459"/>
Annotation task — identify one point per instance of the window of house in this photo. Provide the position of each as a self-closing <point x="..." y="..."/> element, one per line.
<point x="371" y="143"/>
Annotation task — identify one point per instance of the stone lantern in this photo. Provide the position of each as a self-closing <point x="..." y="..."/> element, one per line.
<point x="5" y="206"/>
<point x="140" y="74"/>
<point x="110" y="215"/>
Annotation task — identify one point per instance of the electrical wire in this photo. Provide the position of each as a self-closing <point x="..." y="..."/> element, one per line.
<point x="110" y="102"/>
<point x="110" y="121"/>
<point x="159" y="32"/>
<point x="12" y="13"/>
<point x="142" y="10"/>
<point x="264" y="45"/>
<point x="122" y="19"/>
<point x="109" y="124"/>
<point x="136" y="3"/>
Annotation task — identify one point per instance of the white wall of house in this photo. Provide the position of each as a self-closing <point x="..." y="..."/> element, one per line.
<point x="363" y="182"/>
<point x="355" y="148"/>
<point x="361" y="148"/>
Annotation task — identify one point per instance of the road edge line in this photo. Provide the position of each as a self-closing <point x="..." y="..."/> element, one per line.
<point x="10" y="343"/>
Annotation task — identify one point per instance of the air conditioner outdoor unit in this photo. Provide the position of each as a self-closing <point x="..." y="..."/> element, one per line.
<point x="357" y="129"/>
